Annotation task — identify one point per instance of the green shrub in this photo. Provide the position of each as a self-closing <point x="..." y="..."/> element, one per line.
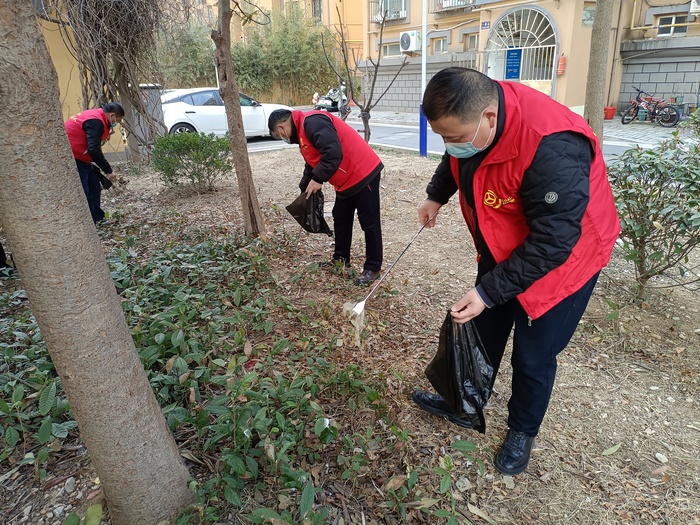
<point x="254" y="72"/>
<point x="657" y="192"/>
<point x="197" y="159"/>
<point x="692" y="123"/>
<point x="184" y="57"/>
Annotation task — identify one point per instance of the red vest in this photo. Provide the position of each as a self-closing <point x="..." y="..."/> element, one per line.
<point x="76" y="134"/>
<point x="359" y="159"/>
<point x="530" y="115"/>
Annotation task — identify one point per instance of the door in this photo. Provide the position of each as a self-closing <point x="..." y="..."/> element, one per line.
<point x="254" y="121"/>
<point x="523" y="47"/>
<point x="206" y="111"/>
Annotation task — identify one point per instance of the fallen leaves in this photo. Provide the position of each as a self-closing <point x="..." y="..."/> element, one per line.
<point x="612" y="450"/>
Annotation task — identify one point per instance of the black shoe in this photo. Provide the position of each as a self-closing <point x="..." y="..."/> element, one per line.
<point x="334" y="263"/>
<point x="367" y="277"/>
<point x="514" y="455"/>
<point x="437" y="406"/>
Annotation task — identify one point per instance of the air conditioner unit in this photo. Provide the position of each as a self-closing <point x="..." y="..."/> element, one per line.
<point x="410" y="41"/>
<point x="695" y="7"/>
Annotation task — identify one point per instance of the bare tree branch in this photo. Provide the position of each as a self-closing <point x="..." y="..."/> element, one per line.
<point x="351" y="69"/>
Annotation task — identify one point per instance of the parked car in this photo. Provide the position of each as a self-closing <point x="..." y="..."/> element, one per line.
<point x="201" y="110"/>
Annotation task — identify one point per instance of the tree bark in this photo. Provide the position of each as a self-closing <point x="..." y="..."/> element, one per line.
<point x="62" y="265"/>
<point x="228" y="87"/>
<point x="122" y="81"/>
<point x="598" y="66"/>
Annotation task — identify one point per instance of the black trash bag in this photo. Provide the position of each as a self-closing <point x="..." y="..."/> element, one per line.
<point x="309" y="213"/>
<point x="104" y="181"/>
<point x="461" y="372"/>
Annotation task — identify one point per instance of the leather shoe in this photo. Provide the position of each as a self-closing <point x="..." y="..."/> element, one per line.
<point x="367" y="277"/>
<point x="437" y="406"/>
<point x="514" y="455"/>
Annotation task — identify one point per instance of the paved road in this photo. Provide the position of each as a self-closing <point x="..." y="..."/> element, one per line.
<point x="406" y="138"/>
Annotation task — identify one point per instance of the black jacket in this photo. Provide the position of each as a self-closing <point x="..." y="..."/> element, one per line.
<point x="562" y="165"/>
<point x="94" y="129"/>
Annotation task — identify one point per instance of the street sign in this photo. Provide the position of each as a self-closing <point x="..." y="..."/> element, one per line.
<point x="513" y="59"/>
<point x="485" y="25"/>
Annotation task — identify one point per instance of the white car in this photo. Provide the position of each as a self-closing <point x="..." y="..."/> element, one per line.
<point x="201" y="110"/>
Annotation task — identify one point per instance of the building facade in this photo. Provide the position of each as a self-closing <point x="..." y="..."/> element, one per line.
<point x="542" y="43"/>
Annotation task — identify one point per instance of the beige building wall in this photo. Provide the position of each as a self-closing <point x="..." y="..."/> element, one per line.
<point x="457" y="22"/>
<point x="69" y="80"/>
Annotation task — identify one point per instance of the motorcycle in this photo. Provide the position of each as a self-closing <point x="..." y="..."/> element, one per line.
<point x="657" y="110"/>
<point x="334" y="101"/>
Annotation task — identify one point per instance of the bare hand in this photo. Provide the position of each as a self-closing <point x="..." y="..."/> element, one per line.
<point x="426" y="210"/>
<point x="111" y="176"/>
<point x="468" y="307"/>
<point x="313" y="187"/>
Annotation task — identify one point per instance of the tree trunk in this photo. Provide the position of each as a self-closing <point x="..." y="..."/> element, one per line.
<point x="598" y="66"/>
<point x="239" y="147"/>
<point x="61" y="262"/>
<point x="364" y="115"/>
<point x="135" y="154"/>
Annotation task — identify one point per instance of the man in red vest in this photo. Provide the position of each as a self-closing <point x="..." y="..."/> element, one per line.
<point x="87" y="131"/>
<point x="336" y="153"/>
<point x="535" y="195"/>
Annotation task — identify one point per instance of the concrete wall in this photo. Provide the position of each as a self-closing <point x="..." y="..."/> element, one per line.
<point x="663" y="77"/>
<point x="404" y="95"/>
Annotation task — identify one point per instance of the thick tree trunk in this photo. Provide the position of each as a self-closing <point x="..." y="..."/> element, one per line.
<point x="135" y="154"/>
<point x="61" y="262"/>
<point x="598" y="66"/>
<point x="132" y="140"/>
<point x="231" y="96"/>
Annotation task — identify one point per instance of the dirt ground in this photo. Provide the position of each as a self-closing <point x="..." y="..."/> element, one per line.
<point x="620" y="442"/>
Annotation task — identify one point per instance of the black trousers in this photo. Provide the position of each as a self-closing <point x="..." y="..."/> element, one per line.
<point x="366" y="202"/>
<point x="536" y="345"/>
<point x="92" y="188"/>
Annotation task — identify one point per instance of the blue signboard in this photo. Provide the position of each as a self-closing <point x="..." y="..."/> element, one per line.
<point x="513" y="58"/>
<point x="485" y="25"/>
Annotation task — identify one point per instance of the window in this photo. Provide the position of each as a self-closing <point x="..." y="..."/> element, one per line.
<point x="439" y="45"/>
<point x="471" y="42"/>
<point x="394" y="9"/>
<point x="669" y="20"/>
<point x="317" y="9"/>
<point x="391" y="50"/>
<point x="204" y="98"/>
<point x="444" y="5"/>
<point x="246" y="101"/>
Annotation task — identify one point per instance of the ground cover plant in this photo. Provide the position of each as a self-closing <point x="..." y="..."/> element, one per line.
<point x="253" y="419"/>
<point x="282" y="418"/>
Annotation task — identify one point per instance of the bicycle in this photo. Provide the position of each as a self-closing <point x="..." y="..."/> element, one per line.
<point x="657" y="110"/>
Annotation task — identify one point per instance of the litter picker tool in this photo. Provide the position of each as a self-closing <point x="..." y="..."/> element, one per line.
<point x="360" y="307"/>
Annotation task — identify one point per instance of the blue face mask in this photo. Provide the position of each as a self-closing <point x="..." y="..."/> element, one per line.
<point x="464" y="150"/>
<point x="284" y="138"/>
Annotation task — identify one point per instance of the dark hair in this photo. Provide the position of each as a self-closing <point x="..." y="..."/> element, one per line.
<point x="114" y="107"/>
<point x="459" y="92"/>
<point x="276" y="117"/>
